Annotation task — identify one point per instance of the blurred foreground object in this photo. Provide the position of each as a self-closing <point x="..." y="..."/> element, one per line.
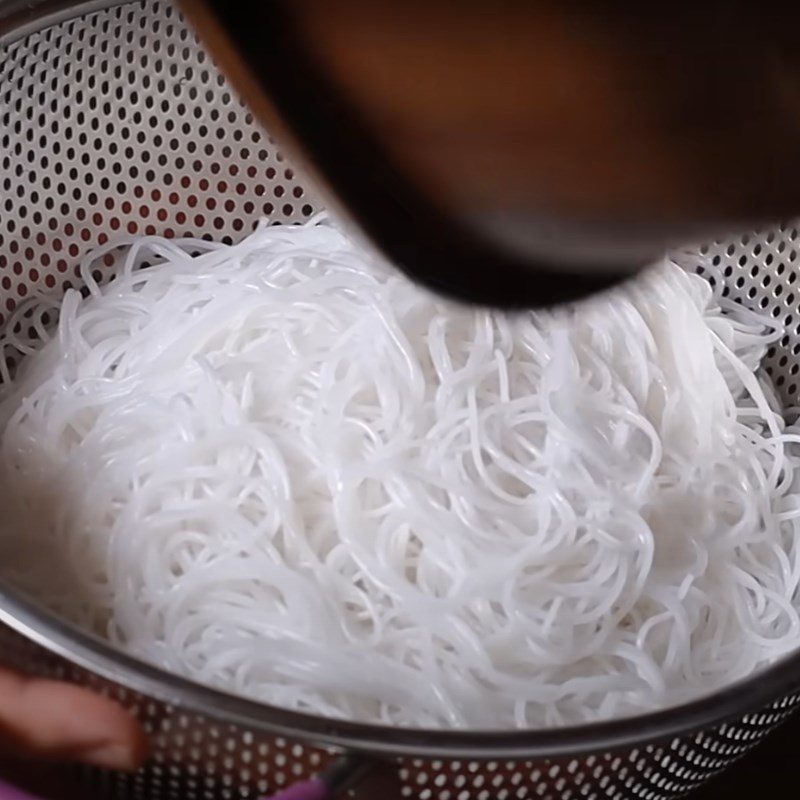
<point x="526" y="153"/>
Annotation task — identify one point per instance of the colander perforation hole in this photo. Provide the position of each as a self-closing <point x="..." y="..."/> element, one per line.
<point x="90" y="151"/>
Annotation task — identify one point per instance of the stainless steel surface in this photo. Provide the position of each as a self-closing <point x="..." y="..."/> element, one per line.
<point x="19" y="18"/>
<point x="118" y="122"/>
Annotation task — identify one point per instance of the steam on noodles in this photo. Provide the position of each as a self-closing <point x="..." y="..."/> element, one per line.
<point x="281" y="469"/>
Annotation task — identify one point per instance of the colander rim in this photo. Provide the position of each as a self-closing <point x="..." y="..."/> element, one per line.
<point x="46" y="13"/>
<point x="97" y="656"/>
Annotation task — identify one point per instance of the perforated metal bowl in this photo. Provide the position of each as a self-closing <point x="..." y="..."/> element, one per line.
<point x="115" y="120"/>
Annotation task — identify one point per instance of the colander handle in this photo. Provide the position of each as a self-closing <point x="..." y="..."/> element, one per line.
<point x="343" y="773"/>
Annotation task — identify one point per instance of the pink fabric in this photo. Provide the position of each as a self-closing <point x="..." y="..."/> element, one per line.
<point x="9" y="792"/>
<point x="305" y="790"/>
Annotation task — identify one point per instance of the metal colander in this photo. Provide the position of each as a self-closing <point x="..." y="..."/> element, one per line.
<point x="113" y="119"/>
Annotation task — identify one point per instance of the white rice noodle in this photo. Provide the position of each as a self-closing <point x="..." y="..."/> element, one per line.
<point x="282" y="469"/>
